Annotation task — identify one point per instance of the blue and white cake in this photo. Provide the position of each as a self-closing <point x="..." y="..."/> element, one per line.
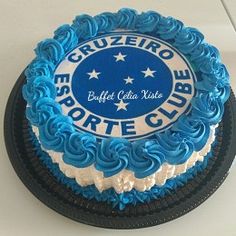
<point x="125" y="105"/>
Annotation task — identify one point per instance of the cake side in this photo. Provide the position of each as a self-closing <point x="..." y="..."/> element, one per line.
<point x="133" y="197"/>
<point x="125" y="180"/>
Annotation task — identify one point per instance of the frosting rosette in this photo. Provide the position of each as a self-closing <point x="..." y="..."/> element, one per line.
<point x="126" y="18"/>
<point x="196" y="130"/>
<point x="188" y="39"/>
<point x="223" y="93"/>
<point x="218" y="88"/>
<point x="39" y="67"/>
<point x="216" y="71"/>
<point x="176" y="149"/>
<point x="50" y="50"/>
<point x="207" y="108"/>
<point x="202" y="53"/>
<point x="85" y="26"/>
<point x="212" y="67"/>
<point x="66" y="36"/>
<point x="54" y="133"/>
<point x="106" y="21"/>
<point x="113" y="156"/>
<point x="146" y="158"/>
<point x="147" y="21"/>
<point x="80" y="150"/>
<point x="42" y="110"/>
<point x="38" y="87"/>
<point x="169" y="27"/>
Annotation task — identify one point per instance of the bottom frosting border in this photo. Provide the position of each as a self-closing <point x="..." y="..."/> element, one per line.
<point x="121" y="200"/>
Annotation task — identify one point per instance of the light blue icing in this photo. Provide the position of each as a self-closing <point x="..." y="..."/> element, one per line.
<point x="80" y="150"/>
<point x="223" y="93"/>
<point x="40" y="67"/>
<point x="55" y="131"/>
<point x="212" y="91"/>
<point x="85" y="26"/>
<point x="196" y="130"/>
<point x="116" y="200"/>
<point x="113" y="156"/>
<point x="42" y="110"/>
<point x="147" y="21"/>
<point x="203" y="53"/>
<point x="176" y="147"/>
<point x="188" y="39"/>
<point x="67" y="37"/>
<point x="39" y="87"/>
<point x="106" y="21"/>
<point x="169" y="28"/>
<point x="126" y="18"/>
<point x="50" y="50"/>
<point x="207" y="108"/>
<point x="146" y="158"/>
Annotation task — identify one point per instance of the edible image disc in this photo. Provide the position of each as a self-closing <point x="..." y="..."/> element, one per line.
<point x="107" y="94"/>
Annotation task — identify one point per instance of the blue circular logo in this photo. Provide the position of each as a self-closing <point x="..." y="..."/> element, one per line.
<point x="112" y="79"/>
<point x="124" y="85"/>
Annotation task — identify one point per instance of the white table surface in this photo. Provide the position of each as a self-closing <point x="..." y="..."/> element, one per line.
<point x="23" y="23"/>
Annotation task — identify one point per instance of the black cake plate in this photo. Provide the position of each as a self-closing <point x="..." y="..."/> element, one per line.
<point x="58" y="197"/>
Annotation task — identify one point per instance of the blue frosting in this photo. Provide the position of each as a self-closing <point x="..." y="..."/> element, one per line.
<point x="113" y="156"/>
<point x="37" y="88"/>
<point x="147" y="21"/>
<point x="120" y="201"/>
<point x="207" y="108"/>
<point x="175" y="147"/>
<point x="146" y="158"/>
<point x="189" y="133"/>
<point x="50" y="50"/>
<point x="196" y="130"/>
<point x="55" y="131"/>
<point x="126" y="18"/>
<point x="223" y="93"/>
<point x="40" y="67"/>
<point x="203" y="53"/>
<point x="188" y="39"/>
<point x="169" y="28"/>
<point x="106" y="21"/>
<point x="85" y="26"/>
<point x="67" y="37"/>
<point x="80" y="150"/>
<point x="41" y="110"/>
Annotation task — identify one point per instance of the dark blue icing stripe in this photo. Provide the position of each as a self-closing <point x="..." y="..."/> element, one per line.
<point x="110" y="196"/>
<point x="176" y="144"/>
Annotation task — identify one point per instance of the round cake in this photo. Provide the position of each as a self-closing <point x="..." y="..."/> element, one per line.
<point x="124" y="107"/>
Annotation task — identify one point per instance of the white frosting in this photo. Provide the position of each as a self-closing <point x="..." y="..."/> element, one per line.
<point x="125" y="180"/>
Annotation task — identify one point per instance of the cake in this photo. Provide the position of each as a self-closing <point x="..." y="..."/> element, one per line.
<point x="124" y="107"/>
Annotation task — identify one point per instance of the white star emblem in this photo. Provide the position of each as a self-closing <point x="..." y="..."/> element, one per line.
<point x="120" y="57"/>
<point x="93" y="74"/>
<point x="148" y="72"/>
<point x="129" y="80"/>
<point x="121" y="105"/>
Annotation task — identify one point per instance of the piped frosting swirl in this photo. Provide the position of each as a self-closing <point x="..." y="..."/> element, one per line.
<point x="113" y="156"/>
